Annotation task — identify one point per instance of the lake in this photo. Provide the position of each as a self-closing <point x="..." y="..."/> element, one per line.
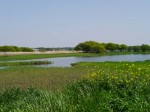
<point x="66" y="61"/>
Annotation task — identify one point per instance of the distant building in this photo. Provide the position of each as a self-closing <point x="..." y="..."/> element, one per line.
<point x="35" y="49"/>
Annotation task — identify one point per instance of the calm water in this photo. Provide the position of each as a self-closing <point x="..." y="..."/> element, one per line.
<point x="66" y="61"/>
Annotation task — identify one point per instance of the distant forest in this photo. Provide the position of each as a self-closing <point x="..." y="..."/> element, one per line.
<point x="87" y="47"/>
<point x="15" y="49"/>
<point x="96" y="47"/>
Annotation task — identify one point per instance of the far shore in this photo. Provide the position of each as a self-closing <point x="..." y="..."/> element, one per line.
<point x="35" y="52"/>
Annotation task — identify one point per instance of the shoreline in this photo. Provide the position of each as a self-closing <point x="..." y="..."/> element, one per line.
<point x="36" y="52"/>
<point x="8" y="56"/>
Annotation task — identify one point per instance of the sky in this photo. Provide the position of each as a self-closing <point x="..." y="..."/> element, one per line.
<point x="66" y="23"/>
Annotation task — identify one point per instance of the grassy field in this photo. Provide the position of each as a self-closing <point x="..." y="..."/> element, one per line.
<point x="39" y="56"/>
<point x="39" y="77"/>
<point x="93" y="87"/>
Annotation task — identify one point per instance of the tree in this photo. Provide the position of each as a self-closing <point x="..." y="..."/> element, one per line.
<point x="26" y="49"/>
<point x="145" y="47"/>
<point x="95" y="47"/>
<point x="111" y="47"/>
<point x="90" y="47"/>
<point x="15" y="49"/>
<point x="130" y="48"/>
<point x="136" y="48"/>
<point x="8" y="48"/>
<point x="123" y="47"/>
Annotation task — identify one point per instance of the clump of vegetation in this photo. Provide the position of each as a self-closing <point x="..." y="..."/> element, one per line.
<point x="108" y="87"/>
<point x="90" y="47"/>
<point x="96" y="47"/>
<point x="15" y="49"/>
<point x="24" y="63"/>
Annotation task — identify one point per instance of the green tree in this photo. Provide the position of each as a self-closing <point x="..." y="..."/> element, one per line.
<point x="15" y="49"/>
<point x="111" y="47"/>
<point x="90" y="47"/>
<point x="145" y="47"/>
<point x="26" y="49"/>
<point x="130" y="48"/>
<point x="136" y="48"/>
<point x="123" y="47"/>
<point x="8" y="49"/>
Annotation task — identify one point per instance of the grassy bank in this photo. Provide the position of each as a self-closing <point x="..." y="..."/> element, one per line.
<point x="39" y="56"/>
<point x="101" y="87"/>
<point x="2" y="64"/>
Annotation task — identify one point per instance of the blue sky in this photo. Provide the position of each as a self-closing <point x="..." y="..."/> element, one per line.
<point x="65" y="23"/>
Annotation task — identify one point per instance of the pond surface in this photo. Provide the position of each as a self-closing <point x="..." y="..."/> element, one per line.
<point x="66" y="61"/>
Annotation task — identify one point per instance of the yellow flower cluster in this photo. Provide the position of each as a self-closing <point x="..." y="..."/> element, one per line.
<point x="121" y="73"/>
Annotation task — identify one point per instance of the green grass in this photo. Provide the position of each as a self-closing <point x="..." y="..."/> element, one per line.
<point x="2" y="64"/>
<point x="39" y="56"/>
<point x="39" y="77"/>
<point x="93" y="87"/>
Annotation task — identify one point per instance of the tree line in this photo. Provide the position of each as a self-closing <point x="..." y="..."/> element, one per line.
<point x="15" y="49"/>
<point x="96" y="47"/>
